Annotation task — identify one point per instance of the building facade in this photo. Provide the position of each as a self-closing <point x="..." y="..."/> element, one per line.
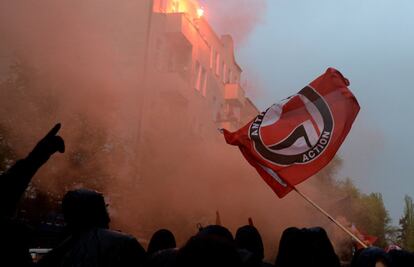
<point x="191" y="72"/>
<point x="189" y="87"/>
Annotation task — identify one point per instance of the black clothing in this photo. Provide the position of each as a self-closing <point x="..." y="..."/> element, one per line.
<point x="15" y="237"/>
<point x="161" y="240"/>
<point x="369" y="257"/>
<point x="248" y="238"/>
<point x="97" y="247"/>
<point x="401" y="258"/>
<point x="163" y="258"/>
<point x="306" y="247"/>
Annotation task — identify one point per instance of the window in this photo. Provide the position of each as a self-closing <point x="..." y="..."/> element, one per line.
<point x="197" y="72"/>
<point x="211" y="57"/>
<point x="217" y="64"/>
<point x="224" y="72"/>
<point x="230" y="76"/>
<point x="204" y="89"/>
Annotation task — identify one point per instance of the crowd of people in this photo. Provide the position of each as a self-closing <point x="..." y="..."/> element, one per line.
<point x="90" y="242"/>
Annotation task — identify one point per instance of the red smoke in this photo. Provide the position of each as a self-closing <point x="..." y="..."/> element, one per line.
<point x="236" y="17"/>
<point x="85" y="65"/>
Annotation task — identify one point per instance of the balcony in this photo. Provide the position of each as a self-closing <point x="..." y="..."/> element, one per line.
<point x="228" y="117"/>
<point x="178" y="26"/>
<point x="234" y="94"/>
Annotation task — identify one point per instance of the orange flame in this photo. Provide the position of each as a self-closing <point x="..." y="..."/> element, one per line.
<point x="200" y="12"/>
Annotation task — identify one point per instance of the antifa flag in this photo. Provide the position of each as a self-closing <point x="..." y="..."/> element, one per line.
<point x="294" y="139"/>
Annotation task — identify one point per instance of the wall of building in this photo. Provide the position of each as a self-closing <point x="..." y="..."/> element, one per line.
<point x="191" y="65"/>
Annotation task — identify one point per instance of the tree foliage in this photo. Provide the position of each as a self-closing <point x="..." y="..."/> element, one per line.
<point x="29" y="105"/>
<point x="367" y="212"/>
<point x="407" y="225"/>
<point x="7" y="155"/>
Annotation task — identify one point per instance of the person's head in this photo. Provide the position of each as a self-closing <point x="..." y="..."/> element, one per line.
<point x="216" y="231"/>
<point x="247" y="237"/>
<point x="371" y="257"/>
<point x="160" y="240"/>
<point x="321" y="250"/>
<point x="84" y="209"/>
<point x="208" y="251"/>
<point x="290" y="245"/>
<point x="306" y="247"/>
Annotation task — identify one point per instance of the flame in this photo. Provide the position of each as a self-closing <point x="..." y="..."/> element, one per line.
<point x="200" y="12"/>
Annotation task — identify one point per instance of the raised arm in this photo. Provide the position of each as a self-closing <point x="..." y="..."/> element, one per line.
<point x="14" y="182"/>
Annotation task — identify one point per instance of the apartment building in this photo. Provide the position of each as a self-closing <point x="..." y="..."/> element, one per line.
<point x="191" y="75"/>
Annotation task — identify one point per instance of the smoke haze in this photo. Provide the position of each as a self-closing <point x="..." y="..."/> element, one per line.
<point x="236" y="17"/>
<point x="79" y="63"/>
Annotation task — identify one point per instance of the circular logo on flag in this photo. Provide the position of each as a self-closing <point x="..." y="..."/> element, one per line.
<point x="297" y="130"/>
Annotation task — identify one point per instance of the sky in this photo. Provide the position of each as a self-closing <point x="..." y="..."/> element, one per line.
<point x="372" y="43"/>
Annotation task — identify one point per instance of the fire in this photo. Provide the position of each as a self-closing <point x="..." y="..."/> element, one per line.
<point x="200" y="12"/>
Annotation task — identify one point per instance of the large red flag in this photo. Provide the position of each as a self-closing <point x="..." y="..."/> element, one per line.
<point x="294" y="139"/>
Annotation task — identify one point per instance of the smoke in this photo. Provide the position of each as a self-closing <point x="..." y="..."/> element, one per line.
<point x="239" y="18"/>
<point x="80" y="62"/>
<point x="74" y="65"/>
<point x="236" y="17"/>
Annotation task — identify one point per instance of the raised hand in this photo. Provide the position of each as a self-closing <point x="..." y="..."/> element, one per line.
<point x="49" y="145"/>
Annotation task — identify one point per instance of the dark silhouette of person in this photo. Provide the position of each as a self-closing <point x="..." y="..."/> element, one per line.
<point x="162" y="250"/>
<point x="91" y="243"/>
<point x="309" y="247"/>
<point x="322" y="251"/>
<point x="290" y="247"/>
<point x="212" y="246"/>
<point x="208" y="251"/>
<point x="401" y="258"/>
<point x="216" y="231"/>
<point x="160" y="240"/>
<point x="14" y="241"/>
<point x="163" y="258"/>
<point x="371" y="257"/>
<point x="221" y="233"/>
<point x="248" y="238"/>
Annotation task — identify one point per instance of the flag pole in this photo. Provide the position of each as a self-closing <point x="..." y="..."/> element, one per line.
<point x="218" y="219"/>
<point x="343" y="228"/>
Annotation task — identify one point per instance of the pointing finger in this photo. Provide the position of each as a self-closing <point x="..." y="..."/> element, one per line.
<point x="54" y="130"/>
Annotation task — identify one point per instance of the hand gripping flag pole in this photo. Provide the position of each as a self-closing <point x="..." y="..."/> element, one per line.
<point x="343" y="228"/>
<point x="294" y="139"/>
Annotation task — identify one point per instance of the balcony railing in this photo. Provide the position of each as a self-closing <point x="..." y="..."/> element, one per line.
<point x="178" y="23"/>
<point x="234" y="94"/>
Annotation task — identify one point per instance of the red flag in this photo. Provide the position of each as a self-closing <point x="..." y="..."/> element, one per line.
<point x="369" y="240"/>
<point x="294" y="139"/>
